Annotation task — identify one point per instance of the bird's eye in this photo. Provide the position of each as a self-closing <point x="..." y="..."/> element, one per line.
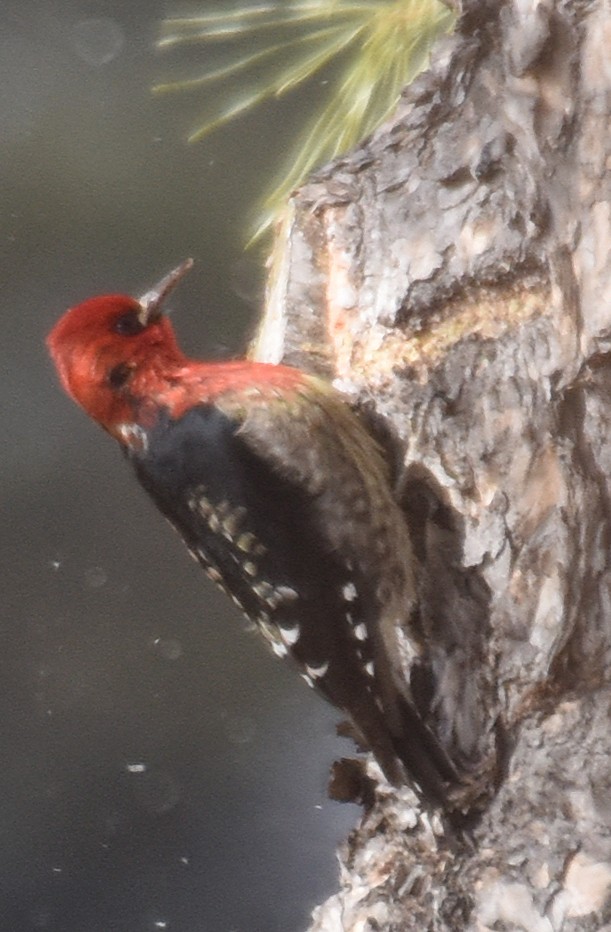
<point x="119" y="375"/>
<point x="128" y="325"/>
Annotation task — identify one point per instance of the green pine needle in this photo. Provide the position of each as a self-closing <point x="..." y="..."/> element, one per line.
<point x="382" y="44"/>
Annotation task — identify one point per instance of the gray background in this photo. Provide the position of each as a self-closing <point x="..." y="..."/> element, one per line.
<point x="159" y="769"/>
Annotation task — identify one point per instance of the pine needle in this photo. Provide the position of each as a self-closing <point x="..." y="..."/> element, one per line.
<point x="381" y="45"/>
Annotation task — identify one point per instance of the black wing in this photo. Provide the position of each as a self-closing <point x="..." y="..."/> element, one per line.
<point x="258" y="535"/>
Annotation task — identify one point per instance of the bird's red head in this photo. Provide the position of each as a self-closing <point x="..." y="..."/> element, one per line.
<point x="102" y="346"/>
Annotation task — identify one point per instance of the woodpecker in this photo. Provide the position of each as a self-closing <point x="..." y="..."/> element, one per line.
<point x="282" y="496"/>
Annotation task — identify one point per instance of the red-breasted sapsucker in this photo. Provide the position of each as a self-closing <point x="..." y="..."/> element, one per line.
<point x="281" y="495"/>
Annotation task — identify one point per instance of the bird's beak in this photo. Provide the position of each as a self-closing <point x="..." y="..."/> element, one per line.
<point x="151" y="302"/>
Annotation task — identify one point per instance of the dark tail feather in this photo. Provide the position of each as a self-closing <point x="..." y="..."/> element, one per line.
<point x="423" y="757"/>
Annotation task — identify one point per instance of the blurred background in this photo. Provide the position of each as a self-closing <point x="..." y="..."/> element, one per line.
<point x="159" y="769"/>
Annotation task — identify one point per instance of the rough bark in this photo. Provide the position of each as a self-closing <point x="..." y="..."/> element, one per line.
<point x="454" y="274"/>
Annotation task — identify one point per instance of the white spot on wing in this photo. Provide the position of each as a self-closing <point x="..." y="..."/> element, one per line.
<point x="369" y="668"/>
<point x="279" y="649"/>
<point x="133" y="436"/>
<point x="317" y="672"/>
<point x="214" y="523"/>
<point x="307" y="679"/>
<point x="360" y="632"/>
<point x="349" y="592"/>
<point x="245" y="542"/>
<point x="276" y="595"/>
<point x="290" y="636"/>
<point x="263" y="589"/>
<point x="286" y="594"/>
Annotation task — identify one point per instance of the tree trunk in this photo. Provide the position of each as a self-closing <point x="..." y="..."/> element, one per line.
<point x="454" y="274"/>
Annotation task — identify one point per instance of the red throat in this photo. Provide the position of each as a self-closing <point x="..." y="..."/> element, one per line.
<point x="121" y="379"/>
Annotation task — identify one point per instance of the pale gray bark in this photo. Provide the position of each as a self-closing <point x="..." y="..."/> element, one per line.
<point x="455" y="274"/>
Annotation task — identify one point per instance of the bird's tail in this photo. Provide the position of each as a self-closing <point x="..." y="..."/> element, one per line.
<point x="422" y="755"/>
